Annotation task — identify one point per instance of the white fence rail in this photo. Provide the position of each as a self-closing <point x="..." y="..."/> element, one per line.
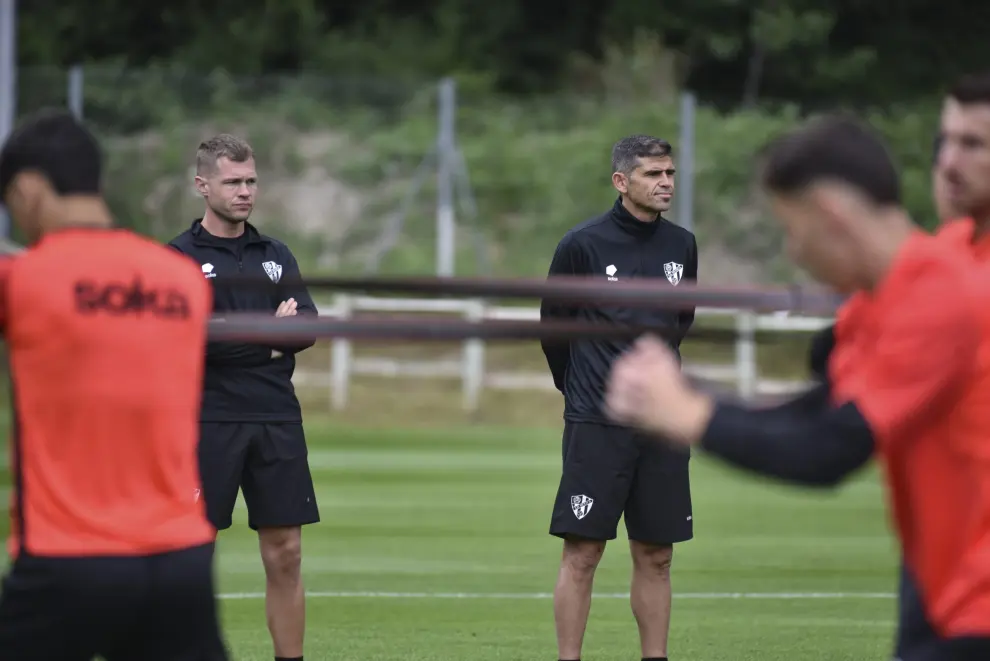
<point x="470" y="367"/>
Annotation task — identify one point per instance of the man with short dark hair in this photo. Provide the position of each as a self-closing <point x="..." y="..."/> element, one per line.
<point x="105" y="332"/>
<point x="961" y="191"/>
<point x="962" y="166"/>
<point x="904" y="378"/>
<point x="251" y="433"/>
<point x="608" y="470"/>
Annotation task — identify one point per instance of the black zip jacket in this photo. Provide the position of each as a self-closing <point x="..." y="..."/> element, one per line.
<point x="615" y="247"/>
<point x="247" y="382"/>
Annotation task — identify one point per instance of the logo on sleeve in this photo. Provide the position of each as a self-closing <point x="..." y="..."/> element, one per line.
<point x="610" y="271"/>
<point x="208" y="271"/>
<point x="273" y="270"/>
<point x="673" y="271"/>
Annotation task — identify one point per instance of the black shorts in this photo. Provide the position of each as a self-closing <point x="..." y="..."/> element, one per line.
<point x="610" y="471"/>
<point x="916" y="638"/>
<point x="913" y="630"/>
<point x="268" y="462"/>
<point x="148" y="608"/>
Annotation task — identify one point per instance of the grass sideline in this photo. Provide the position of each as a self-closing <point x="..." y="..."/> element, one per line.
<point x="426" y="522"/>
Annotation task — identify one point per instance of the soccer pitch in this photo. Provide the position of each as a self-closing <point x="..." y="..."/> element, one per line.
<point x="434" y="546"/>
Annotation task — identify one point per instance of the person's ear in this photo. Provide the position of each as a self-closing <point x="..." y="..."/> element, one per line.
<point x="201" y="185"/>
<point x="621" y="182"/>
<point x="840" y="207"/>
<point x="25" y="196"/>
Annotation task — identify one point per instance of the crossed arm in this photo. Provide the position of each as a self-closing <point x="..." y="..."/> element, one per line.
<point x="245" y="354"/>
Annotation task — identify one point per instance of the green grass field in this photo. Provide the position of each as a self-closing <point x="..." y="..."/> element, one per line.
<point x="433" y="546"/>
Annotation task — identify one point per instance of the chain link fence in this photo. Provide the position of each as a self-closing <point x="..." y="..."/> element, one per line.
<point x="361" y="174"/>
<point x="348" y="166"/>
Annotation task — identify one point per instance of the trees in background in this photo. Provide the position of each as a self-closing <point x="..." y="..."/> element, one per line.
<point x="733" y="53"/>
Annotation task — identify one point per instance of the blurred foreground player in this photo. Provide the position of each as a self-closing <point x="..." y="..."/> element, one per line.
<point x="251" y="431"/>
<point x="105" y="330"/>
<point x="906" y="377"/>
<point x="961" y="190"/>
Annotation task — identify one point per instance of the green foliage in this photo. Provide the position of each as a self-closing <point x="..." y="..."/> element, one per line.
<point x="729" y="51"/>
<point x="537" y="167"/>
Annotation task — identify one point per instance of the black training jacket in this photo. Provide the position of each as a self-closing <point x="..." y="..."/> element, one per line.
<point x="615" y="247"/>
<point x="247" y="382"/>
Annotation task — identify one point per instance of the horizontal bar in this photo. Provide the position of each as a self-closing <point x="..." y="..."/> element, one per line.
<point x="250" y="327"/>
<point x="572" y="289"/>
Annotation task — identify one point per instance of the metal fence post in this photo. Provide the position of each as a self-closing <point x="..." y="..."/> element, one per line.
<point x="446" y="224"/>
<point x="75" y="92"/>
<point x="746" y="368"/>
<point x="473" y="360"/>
<point x="8" y="83"/>
<point x="340" y="359"/>
<point x="684" y="157"/>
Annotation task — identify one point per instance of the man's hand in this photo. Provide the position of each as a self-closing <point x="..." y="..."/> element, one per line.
<point x="647" y="390"/>
<point x="286" y="308"/>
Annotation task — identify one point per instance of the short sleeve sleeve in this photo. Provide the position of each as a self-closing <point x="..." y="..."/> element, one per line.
<point x="924" y="353"/>
<point x="6" y="264"/>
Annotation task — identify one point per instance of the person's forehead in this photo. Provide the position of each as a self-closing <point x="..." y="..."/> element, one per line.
<point x="228" y="168"/>
<point x="973" y="117"/>
<point x="647" y="163"/>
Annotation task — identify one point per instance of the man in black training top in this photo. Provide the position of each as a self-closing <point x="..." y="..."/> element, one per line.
<point x="609" y="470"/>
<point x="251" y="433"/>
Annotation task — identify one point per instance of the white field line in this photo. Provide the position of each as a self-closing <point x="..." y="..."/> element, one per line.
<point x="548" y="595"/>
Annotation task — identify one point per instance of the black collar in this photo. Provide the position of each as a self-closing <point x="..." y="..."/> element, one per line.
<point x="203" y="237"/>
<point x="632" y="225"/>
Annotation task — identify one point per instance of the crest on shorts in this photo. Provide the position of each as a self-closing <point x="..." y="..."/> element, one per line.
<point x="673" y="271"/>
<point x="273" y="270"/>
<point x="581" y="505"/>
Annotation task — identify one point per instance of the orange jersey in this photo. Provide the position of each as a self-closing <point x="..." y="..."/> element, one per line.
<point x="106" y="334"/>
<point x="914" y="356"/>
<point x="960" y="233"/>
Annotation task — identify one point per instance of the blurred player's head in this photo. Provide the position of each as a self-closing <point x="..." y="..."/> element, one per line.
<point x="963" y="164"/>
<point x="226" y="178"/>
<point x="643" y="173"/>
<point x="832" y="183"/>
<point x="944" y="207"/>
<point x="50" y="168"/>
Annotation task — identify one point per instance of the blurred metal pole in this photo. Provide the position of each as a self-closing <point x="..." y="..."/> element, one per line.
<point x="685" y="164"/>
<point x="75" y="92"/>
<point x="446" y="250"/>
<point x="8" y="83"/>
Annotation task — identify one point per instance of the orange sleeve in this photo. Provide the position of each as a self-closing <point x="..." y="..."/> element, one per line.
<point x="928" y="347"/>
<point x="6" y="264"/>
